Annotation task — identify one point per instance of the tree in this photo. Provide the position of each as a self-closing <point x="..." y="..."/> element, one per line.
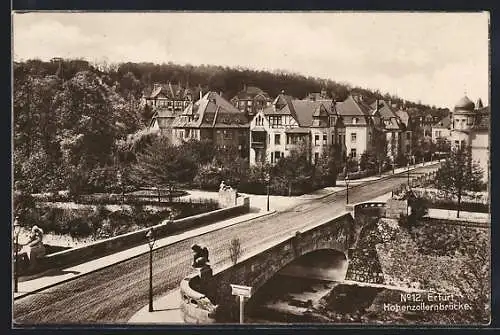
<point x="294" y="169"/>
<point x="326" y="167"/>
<point x="368" y="160"/>
<point x="380" y="148"/>
<point x="162" y="164"/>
<point x="235" y="250"/>
<point x="459" y="174"/>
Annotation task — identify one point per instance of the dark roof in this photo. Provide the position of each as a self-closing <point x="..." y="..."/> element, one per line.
<point x="464" y="103"/>
<point x="385" y="111"/>
<point x="250" y="92"/>
<point x="403" y="116"/>
<point x="351" y="107"/>
<point x="171" y="91"/>
<point x="443" y="123"/>
<point x="302" y="111"/>
<point x="211" y="111"/>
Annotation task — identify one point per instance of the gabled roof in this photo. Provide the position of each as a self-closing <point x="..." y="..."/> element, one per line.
<point x="351" y="107"/>
<point x="403" y="116"/>
<point x="171" y="91"/>
<point x="443" y="123"/>
<point x="212" y="111"/>
<point x="250" y="92"/>
<point x="302" y="111"/>
<point x="385" y="111"/>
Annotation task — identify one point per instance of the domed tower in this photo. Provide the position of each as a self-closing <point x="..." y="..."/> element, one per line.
<point x="462" y="122"/>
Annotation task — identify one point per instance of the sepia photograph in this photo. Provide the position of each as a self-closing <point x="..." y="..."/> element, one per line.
<point x="262" y="168"/>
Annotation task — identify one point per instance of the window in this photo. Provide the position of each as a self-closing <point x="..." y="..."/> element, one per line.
<point x="275" y="121"/>
<point x="277" y="139"/>
<point x="353" y="153"/>
<point x="340" y="139"/>
<point x="272" y="157"/>
<point x="291" y="139"/>
<point x="469" y="121"/>
<point x="316" y="156"/>
<point x="277" y="156"/>
<point x="181" y="134"/>
<point x="407" y="148"/>
<point x="259" y="120"/>
<point x="186" y="134"/>
<point x="250" y="103"/>
<point x="227" y="135"/>
<point x="316" y="140"/>
<point x="354" y="120"/>
<point x="353" y="137"/>
<point x="324" y="139"/>
<point x="408" y="135"/>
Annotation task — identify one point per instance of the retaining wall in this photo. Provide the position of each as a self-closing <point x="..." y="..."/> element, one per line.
<point x="121" y="242"/>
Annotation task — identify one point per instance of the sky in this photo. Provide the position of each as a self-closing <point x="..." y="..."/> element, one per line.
<point x="434" y="58"/>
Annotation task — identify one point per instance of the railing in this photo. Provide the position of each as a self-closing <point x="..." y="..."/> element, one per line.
<point x="258" y="144"/>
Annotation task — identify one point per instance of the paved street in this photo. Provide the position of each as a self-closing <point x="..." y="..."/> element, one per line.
<point x="114" y="294"/>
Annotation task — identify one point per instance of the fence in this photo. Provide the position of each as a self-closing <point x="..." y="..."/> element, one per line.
<point x="419" y="182"/>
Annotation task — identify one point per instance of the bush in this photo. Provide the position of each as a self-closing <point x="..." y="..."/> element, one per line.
<point x="464" y="206"/>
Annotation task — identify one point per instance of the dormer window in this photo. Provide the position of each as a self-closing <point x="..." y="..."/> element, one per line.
<point x="355" y="120"/>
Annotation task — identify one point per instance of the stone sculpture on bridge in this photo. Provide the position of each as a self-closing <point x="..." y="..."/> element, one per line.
<point x="200" y="256"/>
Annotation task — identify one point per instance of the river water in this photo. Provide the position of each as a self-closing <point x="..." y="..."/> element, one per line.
<point x="313" y="290"/>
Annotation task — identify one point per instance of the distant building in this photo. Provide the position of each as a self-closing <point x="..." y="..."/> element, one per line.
<point x="442" y="129"/>
<point x="316" y="96"/>
<point x="250" y="100"/>
<point x="359" y="125"/>
<point x="289" y="124"/>
<point x="407" y="135"/>
<point x="392" y="126"/>
<point x="215" y="119"/>
<point x="168" y="96"/>
<point x="166" y="101"/>
<point x="470" y="127"/>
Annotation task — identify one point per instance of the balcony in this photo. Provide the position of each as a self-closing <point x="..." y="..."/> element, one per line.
<point x="258" y="145"/>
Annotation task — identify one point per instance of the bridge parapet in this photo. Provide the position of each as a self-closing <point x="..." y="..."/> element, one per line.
<point x="196" y="307"/>
<point x="256" y="269"/>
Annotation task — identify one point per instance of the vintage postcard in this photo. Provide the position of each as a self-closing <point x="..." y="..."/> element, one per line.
<point x="326" y="168"/>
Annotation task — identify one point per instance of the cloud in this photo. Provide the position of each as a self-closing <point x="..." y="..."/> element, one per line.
<point x="424" y="56"/>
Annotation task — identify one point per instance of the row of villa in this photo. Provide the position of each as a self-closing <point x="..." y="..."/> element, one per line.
<point x="268" y="129"/>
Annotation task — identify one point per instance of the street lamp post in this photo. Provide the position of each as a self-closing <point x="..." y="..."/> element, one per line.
<point x="346" y="180"/>
<point x="17" y="230"/>
<point x="268" y="179"/>
<point x="151" y="241"/>
<point x="408" y="170"/>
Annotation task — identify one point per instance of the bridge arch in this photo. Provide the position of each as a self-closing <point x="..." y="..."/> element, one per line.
<point x="340" y="233"/>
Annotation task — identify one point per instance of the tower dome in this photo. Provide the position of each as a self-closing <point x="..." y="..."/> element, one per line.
<point x="465" y="103"/>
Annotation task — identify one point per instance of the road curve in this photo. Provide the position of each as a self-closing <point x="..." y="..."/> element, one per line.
<point x="112" y="295"/>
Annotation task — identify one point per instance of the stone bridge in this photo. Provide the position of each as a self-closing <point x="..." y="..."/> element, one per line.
<point x="211" y="300"/>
